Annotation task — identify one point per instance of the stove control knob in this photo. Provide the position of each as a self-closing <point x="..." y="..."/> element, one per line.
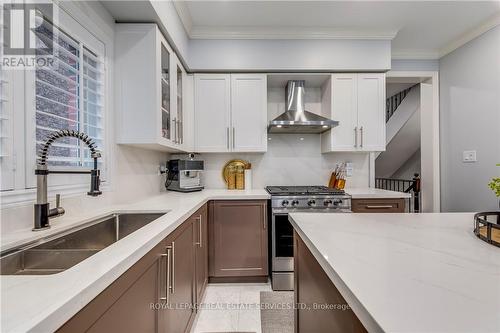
<point x="284" y="203"/>
<point x="311" y="203"/>
<point x="295" y="202"/>
<point x="337" y="202"/>
<point x="327" y="202"/>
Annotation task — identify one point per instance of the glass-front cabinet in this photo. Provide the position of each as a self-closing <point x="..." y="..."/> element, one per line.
<point x="180" y="118"/>
<point x="151" y="83"/>
<point x="165" y="93"/>
<point x="181" y="74"/>
<point x="172" y="115"/>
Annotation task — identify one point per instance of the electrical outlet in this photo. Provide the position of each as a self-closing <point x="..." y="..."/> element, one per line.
<point x="349" y="169"/>
<point x="162" y="169"/>
<point x="469" y="156"/>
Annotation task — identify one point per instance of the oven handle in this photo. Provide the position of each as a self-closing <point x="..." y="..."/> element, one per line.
<point x="325" y="210"/>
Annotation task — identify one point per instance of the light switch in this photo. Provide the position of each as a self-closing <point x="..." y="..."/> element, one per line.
<point x="348" y="169"/>
<point x="469" y="156"/>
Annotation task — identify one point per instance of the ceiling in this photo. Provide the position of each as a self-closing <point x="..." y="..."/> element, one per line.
<point x="420" y="29"/>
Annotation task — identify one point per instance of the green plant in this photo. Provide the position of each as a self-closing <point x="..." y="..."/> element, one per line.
<point x="495" y="185"/>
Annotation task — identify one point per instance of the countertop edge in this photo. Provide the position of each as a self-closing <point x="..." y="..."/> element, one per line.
<point x="361" y="312"/>
<point x="375" y="193"/>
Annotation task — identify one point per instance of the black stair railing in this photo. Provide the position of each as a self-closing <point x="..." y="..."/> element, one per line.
<point x="411" y="186"/>
<point x="393" y="102"/>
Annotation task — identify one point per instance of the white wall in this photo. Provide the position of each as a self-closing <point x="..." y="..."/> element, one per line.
<point x="289" y="55"/>
<point x="470" y="120"/>
<point x="409" y="168"/>
<point x="289" y="161"/>
<point x="392" y="89"/>
<point x="415" y="65"/>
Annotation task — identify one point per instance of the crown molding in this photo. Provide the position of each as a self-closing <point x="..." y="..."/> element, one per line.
<point x="232" y="32"/>
<point x="470" y="35"/>
<point x="184" y="15"/>
<point x="463" y="39"/>
<point x="415" y="55"/>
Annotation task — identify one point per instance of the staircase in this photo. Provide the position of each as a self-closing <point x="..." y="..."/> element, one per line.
<point x="402" y="131"/>
<point x="392" y="103"/>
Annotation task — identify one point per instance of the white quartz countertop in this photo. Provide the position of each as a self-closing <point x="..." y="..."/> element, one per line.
<point x="44" y="303"/>
<point x="375" y="193"/>
<point x="408" y="272"/>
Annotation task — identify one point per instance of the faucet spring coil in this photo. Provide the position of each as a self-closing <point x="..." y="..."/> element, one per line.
<point x="66" y="133"/>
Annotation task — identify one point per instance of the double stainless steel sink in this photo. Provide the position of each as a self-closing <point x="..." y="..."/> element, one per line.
<point x="62" y="251"/>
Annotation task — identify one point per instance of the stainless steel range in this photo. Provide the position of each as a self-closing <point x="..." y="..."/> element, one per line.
<point x="287" y="199"/>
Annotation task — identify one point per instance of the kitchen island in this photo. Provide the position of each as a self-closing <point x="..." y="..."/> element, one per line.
<point x="406" y="272"/>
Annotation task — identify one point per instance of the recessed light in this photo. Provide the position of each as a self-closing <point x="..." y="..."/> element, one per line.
<point x="325" y="126"/>
<point x="279" y="126"/>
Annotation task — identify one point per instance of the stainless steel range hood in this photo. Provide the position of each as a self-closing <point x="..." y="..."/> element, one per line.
<point x="296" y="119"/>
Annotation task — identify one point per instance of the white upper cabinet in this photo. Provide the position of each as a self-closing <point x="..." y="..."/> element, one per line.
<point x="343" y="106"/>
<point x="249" y="112"/>
<point x="149" y="89"/>
<point x="230" y="112"/>
<point x="371" y="115"/>
<point x="212" y="107"/>
<point x="358" y="102"/>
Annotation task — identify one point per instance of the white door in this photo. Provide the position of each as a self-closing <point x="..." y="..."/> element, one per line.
<point x="212" y="107"/>
<point x="344" y="106"/>
<point x="249" y="112"/>
<point x="371" y="113"/>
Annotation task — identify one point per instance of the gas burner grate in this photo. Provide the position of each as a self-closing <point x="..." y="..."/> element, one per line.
<point x="302" y="190"/>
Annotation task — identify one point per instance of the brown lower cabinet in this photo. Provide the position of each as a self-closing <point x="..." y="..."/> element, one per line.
<point x="313" y="288"/>
<point x="158" y="293"/>
<point x="238" y="238"/>
<point x="200" y="224"/>
<point x="378" y="205"/>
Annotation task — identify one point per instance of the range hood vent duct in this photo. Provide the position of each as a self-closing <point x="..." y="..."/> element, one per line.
<point x="296" y="119"/>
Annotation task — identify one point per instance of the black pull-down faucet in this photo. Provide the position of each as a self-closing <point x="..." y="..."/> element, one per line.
<point x="42" y="210"/>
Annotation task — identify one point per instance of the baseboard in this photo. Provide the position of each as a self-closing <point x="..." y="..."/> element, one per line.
<point x="238" y="279"/>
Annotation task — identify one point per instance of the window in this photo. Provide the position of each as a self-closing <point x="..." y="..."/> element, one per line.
<point x="36" y="102"/>
<point x="6" y="132"/>
<point x="68" y="96"/>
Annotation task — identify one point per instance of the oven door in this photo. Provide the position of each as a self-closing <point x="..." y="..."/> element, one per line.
<point x="282" y="243"/>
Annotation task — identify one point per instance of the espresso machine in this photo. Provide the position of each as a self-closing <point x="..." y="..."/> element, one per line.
<point x="184" y="175"/>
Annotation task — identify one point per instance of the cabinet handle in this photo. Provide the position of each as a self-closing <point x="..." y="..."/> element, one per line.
<point x="234" y="141"/>
<point x="162" y="257"/>
<point x="178" y="131"/>
<point x="264" y="223"/>
<point x="199" y="234"/>
<point x="378" y="206"/>
<point x="174" y="130"/>
<point x="181" y="132"/>
<point x="361" y="131"/>
<point x="176" y="134"/>
<point x="356" y="136"/>
<point x="167" y="278"/>
<point x="227" y="137"/>
<point x="172" y="280"/>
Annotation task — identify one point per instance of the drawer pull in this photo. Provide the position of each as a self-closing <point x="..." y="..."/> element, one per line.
<point x="379" y="206"/>
<point x="199" y="243"/>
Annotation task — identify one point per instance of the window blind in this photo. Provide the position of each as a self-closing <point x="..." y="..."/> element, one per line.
<point x="6" y="153"/>
<point x="6" y="126"/>
<point x="69" y="96"/>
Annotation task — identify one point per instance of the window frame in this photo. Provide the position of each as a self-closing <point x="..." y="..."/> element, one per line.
<point x="73" y="21"/>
